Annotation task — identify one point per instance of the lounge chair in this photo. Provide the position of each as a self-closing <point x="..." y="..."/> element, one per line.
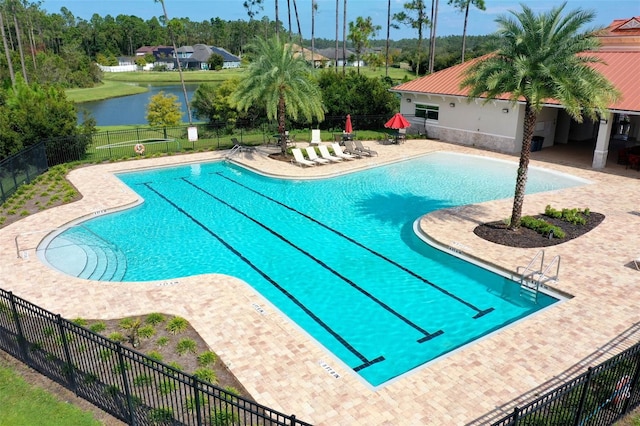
<point x="337" y="150"/>
<point x="311" y="153"/>
<point x="324" y="152"/>
<point x="315" y="137"/>
<point x="299" y="159"/>
<point x="242" y="146"/>
<point x="349" y="148"/>
<point x="363" y="149"/>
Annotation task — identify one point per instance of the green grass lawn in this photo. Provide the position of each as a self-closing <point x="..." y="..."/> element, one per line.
<point x="108" y="89"/>
<point x="172" y="76"/>
<point x="23" y="404"/>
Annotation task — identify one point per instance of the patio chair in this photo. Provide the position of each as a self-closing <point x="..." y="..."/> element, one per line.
<point x="324" y="152"/>
<point x="313" y="156"/>
<point x="299" y="159"/>
<point x="351" y="149"/>
<point x="364" y="149"/>
<point x="337" y="150"/>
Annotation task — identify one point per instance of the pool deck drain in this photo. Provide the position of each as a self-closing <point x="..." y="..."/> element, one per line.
<point x="278" y="363"/>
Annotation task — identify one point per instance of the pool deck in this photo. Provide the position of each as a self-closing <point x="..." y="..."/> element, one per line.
<point x="285" y="369"/>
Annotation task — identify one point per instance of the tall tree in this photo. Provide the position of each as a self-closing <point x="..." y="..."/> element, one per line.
<point x="7" y="51"/>
<point x="386" y="50"/>
<point x="359" y="34"/>
<point x="344" y="37"/>
<point x="414" y="16"/>
<point x="463" y="6"/>
<point x="337" y="20"/>
<point x="544" y="57"/>
<point x="253" y="7"/>
<point x="282" y="82"/>
<point x="314" y="9"/>
<point x="175" y="52"/>
<point x="432" y="35"/>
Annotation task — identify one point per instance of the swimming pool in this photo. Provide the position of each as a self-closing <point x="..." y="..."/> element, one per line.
<point x="338" y="256"/>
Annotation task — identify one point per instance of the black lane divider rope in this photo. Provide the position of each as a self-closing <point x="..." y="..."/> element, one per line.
<point x="427" y="335"/>
<point x="365" y="362"/>
<point x="479" y="312"/>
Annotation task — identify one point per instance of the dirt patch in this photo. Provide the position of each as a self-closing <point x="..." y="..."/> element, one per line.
<point x="497" y="232"/>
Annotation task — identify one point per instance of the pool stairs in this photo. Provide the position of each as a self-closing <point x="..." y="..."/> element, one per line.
<point x="531" y="278"/>
<point x="86" y="255"/>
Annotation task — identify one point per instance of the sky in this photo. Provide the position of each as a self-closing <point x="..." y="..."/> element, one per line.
<point x="450" y="21"/>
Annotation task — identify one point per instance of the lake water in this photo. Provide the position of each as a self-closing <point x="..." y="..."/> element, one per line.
<point x="132" y="109"/>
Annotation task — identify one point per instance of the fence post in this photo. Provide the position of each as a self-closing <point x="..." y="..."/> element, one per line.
<point x="293" y="420"/>
<point x="583" y="397"/>
<point x="67" y="354"/>
<point x="125" y="382"/>
<point x="516" y="416"/>
<point x="21" y="338"/>
<point x="196" y="395"/>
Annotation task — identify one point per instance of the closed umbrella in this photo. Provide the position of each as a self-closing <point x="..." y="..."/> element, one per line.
<point x="348" y="128"/>
<point x="397" y="122"/>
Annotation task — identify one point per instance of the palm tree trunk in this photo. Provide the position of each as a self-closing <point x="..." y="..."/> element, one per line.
<point x="281" y="124"/>
<point x="277" y="22"/>
<point x="314" y="5"/>
<point x="530" y="118"/>
<point x="19" y="38"/>
<point x="295" y="9"/>
<point x="386" y="71"/>
<point x="432" y="48"/>
<point x="289" y="17"/>
<point x="464" y="30"/>
<point x="344" y="38"/>
<point x="7" y="52"/>
<point x="175" y="51"/>
<point x="337" y="20"/>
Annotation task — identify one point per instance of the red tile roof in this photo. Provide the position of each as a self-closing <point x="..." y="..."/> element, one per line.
<point x="620" y="68"/>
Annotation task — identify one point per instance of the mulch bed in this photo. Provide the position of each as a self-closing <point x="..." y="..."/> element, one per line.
<point x="497" y="232"/>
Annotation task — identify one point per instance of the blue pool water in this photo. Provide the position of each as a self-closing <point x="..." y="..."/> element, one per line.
<point x="337" y="255"/>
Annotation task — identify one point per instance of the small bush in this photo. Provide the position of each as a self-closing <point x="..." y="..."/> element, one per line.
<point x="154" y="318"/>
<point x="117" y="337"/>
<point x="146" y="332"/>
<point x="542" y="227"/>
<point x="155" y="355"/>
<point x="177" y="325"/>
<point x="206" y="375"/>
<point x="186" y="345"/>
<point x="574" y="216"/>
<point x="163" y="341"/>
<point x="98" y="327"/>
<point x="206" y="358"/>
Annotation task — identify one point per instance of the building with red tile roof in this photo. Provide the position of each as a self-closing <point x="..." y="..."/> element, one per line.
<point x="437" y="106"/>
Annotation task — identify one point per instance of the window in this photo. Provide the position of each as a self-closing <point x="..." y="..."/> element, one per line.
<point x="430" y="112"/>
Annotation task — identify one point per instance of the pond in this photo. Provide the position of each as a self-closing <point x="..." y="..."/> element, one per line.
<point x="132" y="109"/>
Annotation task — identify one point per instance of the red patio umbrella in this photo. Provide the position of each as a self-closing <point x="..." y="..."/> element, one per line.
<point x="348" y="128"/>
<point x="397" y="122"/>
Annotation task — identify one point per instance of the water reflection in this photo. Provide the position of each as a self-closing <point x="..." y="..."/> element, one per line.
<point x="132" y="109"/>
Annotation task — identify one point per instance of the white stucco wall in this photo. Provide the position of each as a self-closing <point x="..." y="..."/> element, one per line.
<point x="468" y="123"/>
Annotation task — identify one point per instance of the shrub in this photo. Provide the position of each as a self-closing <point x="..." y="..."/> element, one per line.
<point x="542" y="227"/>
<point x="574" y="216"/>
<point x="98" y="327"/>
<point x="186" y="345"/>
<point x="206" y="375"/>
<point x="206" y="358"/>
<point x="154" y="318"/>
<point x="177" y="325"/>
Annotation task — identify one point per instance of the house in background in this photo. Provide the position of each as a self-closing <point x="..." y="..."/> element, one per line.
<point x="197" y="57"/>
<point x="436" y="105"/>
<point x="310" y="56"/>
<point x="338" y="59"/>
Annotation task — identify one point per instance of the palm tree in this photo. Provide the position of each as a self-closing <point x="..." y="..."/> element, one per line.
<point x="463" y="5"/>
<point x="544" y="57"/>
<point x="432" y="41"/>
<point x="416" y="18"/>
<point x="282" y="82"/>
<point x="175" y="51"/>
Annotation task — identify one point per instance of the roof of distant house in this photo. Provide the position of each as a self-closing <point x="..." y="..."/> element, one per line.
<point x="226" y="56"/>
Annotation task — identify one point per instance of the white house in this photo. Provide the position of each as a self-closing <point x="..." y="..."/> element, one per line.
<point x="436" y="105"/>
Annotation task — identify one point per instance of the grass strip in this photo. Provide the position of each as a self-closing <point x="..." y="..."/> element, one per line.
<point x="24" y="404"/>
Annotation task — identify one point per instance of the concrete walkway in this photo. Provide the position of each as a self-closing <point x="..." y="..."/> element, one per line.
<point x="284" y="369"/>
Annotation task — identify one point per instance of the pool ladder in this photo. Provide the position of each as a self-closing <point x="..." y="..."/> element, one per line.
<point x="234" y="151"/>
<point x="532" y="278"/>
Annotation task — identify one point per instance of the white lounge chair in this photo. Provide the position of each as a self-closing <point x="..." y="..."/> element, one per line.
<point x="299" y="159"/>
<point x="315" y="137"/>
<point x="337" y="149"/>
<point x="325" y="154"/>
<point x="311" y="153"/>
<point x="364" y="149"/>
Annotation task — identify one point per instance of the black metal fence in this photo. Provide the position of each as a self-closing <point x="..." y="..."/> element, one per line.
<point x="600" y="396"/>
<point x="126" y="384"/>
<point x="22" y="168"/>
